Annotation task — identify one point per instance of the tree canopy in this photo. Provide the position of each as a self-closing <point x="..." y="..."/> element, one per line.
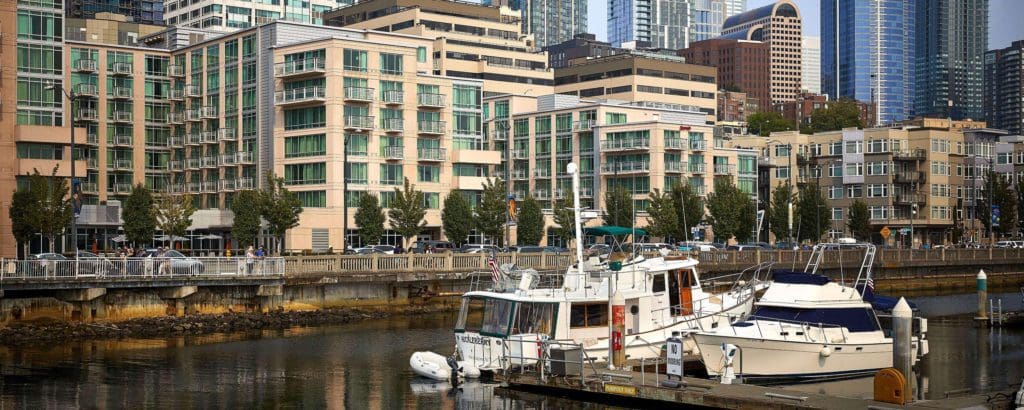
<point x="20" y="212"/>
<point x="407" y="211"/>
<point x="565" y="219"/>
<point x="174" y="214"/>
<point x="996" y="193"/>
<point x="836" y="115"/>
<point x="859" y="220"/>
<point x="456" y="217"/>
<point x="279" y="207"/>
<point x="246" y="209"/>
<point x="783" y="198"/>
<point x="689" y="208"/>
<point x="813" y="212"/>
<point x="369" y="218"/>
<point x="766" y="122"/>
<point x="662" y="217"/>
<point x="530" y="224"/>
<point x="490" y="213"/>
<point x="139" y="215"/>
<point x="618" y="205"/>
<point x="52" y="211"/>
<point x="731" y="212"/>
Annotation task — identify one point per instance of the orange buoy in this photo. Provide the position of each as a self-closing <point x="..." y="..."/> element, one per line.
<point x="889" y="384"/>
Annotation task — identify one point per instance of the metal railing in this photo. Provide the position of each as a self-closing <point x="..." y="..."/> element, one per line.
<point x="358" y="94"/>
<point x="431" y="127"/>
<point x="430" y="100"/>
<point x="150" y="267"/>
<point x="359" y="121"/>
<point x="297" y="95"/>
<point x="309" y="65"/>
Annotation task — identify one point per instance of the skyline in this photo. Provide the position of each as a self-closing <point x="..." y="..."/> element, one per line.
<point x="1004" y="19"/>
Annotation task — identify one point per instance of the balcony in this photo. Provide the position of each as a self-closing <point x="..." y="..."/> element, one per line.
<point x="300" y="96"/>
<point x="910" y="199"/>
<point x="121" y="69"/>
<point x="121" y="140"/>
<point x="228" y="159"/>
<point x="393" y="125"/>
<point x="675" y="144"/>
<point x="123" y="116"/>
<point x="87" y="114"/>
<point x="358" y="94"/>
<point x="907" y="177"/>
<point x="392" y="97"/>
<point x="499" y="134"/>
<point x="359" y="122"/>
<point x="176" y="118"/>
<point x="699" y="190"/>
<point x="394" y="153"/>
<point x="122" y="188"/>
<point x="426" y="100"/>
<point x="244" y="183"/>
<point x="228" y="184"/>
<point x="85" y="66"/>
<point x="175" y="70"/>
<point x="90" y="188"/>
<point x="193" y="91"/>
<point x="674" y="167"/>
<point x="92" y="139"/>
<point x="246" y="158"/>
<point x="562" y="194"/>
<point x="725" y="169"/>
<point x="175" y="165"/>
<point x="586" y="192"/>
<point x="298" y="68"/>
<point x="208" y="113"/>
<point x="193" y="139"/>
<point x="227" y="134"/>
<point x="475" y="156"/>
<point x="520" y="174"/>
<point x="176" y="141"/>
<point x="697" y="168"/>
<point x="909" y="155"/>
<point x="542" y="173"/>
<point x="628" y="167"/>
<point x="803" y="158"/>
<point x="87" y="90"/>
<point x="431" y="154"/>
<point x="210" y="187"/>
<point x="583" y="126"/>
<point x="542" y="194"/>
<point x="469" y="183"/>
<point x="120" y="93"/>
<point x="208" y="137"/>
<point x="194" y="187"/>
<point x="193" y="115"/>
<point x="176" y="94"/>
<point x="626" y="144"/>
<point x="210" y="162"/>
<point x="520" y="154"/>
<point x="120" y="164"/>
<point x="698" y="145"/>
<point x="193" y="164"/>
<point x="432" y="127"/>
<point x="92" y="163"/>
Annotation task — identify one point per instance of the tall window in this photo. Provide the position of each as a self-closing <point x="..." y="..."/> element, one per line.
<point x="391" y="63"/>
<point x="354" y="60"/>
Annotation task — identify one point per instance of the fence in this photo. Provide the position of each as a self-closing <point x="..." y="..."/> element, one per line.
<point x="140" y="268"/>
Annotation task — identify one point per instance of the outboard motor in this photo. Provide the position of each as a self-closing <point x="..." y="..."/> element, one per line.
<point x="454" y="364"/>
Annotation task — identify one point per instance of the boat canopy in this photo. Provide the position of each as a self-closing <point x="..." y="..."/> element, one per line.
<point x="613" y="230"/>
<point x="799" y="278"/>
<point x="853" y="319"/>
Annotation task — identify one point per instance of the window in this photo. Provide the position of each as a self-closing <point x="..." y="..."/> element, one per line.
<point x="940" y="145"/>
<point x="391" y="63"/>
<point x="354" y="60"/>
<point x="34" y="58"/>
<point x="854" y="147"/>
<point x="835" y="192"/>
<point x="31" y="150"/>
<point x="421" y="54"/>
<point x="837" y="214"/>
<point x="588" y="315"/>
<point x="878" y="191"/>
<point x="39" y="25"/>
<point x="835" y="148"/>
<point x="855" y="191"/>
<point x="855" y="169"/>
<point x="782" y="151"/>
<point x="428" y="173"/>
<point x="312" y="199"/>
<point x="878" y="168"/>
<point x="878" y="212"/>
<point x="542" y="126"/>
<point x="356" y="144"/>
<point x="878" y="145"/>
<point x="782" y="173"/>
<point x="32" y="92"/>
<point x="614" y="118"/>
<point x="391" y="174"/>
<point x="301" y="118"/>
<point x="466" y="96"/>
<point x="835" y="170"/>
<point x="305" y="146"/>
<point x="431" y="200"/>
<point x="356" y="172"/>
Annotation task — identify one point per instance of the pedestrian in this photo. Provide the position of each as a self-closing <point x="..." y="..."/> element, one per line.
<point x="249" y="255"/>
<point x="260" y="253"/>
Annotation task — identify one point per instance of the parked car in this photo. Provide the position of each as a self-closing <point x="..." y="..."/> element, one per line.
<point x="437" y="246"/>
<point x="381" y="249"/>
<point x="555" y="249"/>
<point x="92" y="264"/>
<point x="786" y="246"/>
<point x="1006" y="244"/>
<point x="179" y="263"/>
<point x="388" y="249"/>
<point x="530" y="249"/>
<point x="46" y="264"/>
<point x="696" y="246"/>
<point x="477" y="248"/>
<point x="744" y="247"/>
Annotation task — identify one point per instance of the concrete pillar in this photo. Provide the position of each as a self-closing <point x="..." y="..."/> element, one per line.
<point x="177" y="295"/>
<point x="81" y="295"/>
<point x="270" y="297"/>
<point x="902" y="340"/>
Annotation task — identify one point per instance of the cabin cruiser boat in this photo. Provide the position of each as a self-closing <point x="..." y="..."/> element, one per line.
<point x="807" y="326"/>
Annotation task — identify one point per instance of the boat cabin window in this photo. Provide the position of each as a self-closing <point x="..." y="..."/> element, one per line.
<point x="658" y="283"/>
<point x="535" y="318"/>
<point x="497" y="315"/>
<point x="853" y="319"/>
<point x="588" y="315"/>
<point x="471" y="315"/>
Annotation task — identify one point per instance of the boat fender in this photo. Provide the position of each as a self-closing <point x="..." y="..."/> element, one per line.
<point x="826" y="351"/>
<point x="469" y="371"/>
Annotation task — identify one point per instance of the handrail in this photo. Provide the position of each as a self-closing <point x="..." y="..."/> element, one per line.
<point x="140" y="268"/>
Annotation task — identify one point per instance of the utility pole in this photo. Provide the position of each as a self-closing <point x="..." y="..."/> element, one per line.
<point x="76" y="202"/>
<point x="344" y="198"/>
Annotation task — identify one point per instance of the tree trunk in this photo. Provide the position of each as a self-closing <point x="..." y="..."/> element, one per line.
<point x="52" y="244"/>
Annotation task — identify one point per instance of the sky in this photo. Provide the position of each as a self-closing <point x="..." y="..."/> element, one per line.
<point x="1005" y="19"/>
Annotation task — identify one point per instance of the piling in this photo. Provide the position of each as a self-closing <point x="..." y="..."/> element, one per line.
<point x="981" y="320"/>
<point x="618" y="329"/>
<point x="902" y="353"/>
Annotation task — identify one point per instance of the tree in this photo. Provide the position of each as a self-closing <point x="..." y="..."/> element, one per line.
<point x="23" y="204"/>
<point x="813" y="212"/>
<point x="766" y="122"/>
<point x="662" y="217"/>
<point x="618" y="206"/>
<point x="174" y="214"/>
<point x="52" y="213"/>
<point x="279" y="207"/>
<point x="732" y="87"/>
<point x="731" y="212"/>
<point x="1018" y="189"/>
<point x="490" y="212"/>
<point x="246" y="225"/>
<point x="565" y="219"/>
<point x="456" y="217"/>
<point x="778" y="212"/>
<point x="407" y="212"/>
<point x="139" y="216"/>
<point x="956" y="234"/>
<point x="996" y="193"/>
<point x="530" y="225"/>
<point x="689" y="208"/>
<point x="859" y="221"/>
<point x="369" y="219"/>
<point x="837" y="115"/>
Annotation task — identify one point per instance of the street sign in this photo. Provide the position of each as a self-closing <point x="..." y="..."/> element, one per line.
<point x="904" y="230"/>
<point x="885" y="232"/>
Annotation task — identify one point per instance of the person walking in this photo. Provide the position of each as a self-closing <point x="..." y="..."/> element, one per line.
<point x="249" y="259"/>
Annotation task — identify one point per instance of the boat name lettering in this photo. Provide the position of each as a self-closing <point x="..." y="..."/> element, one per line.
<point x="477" y="340"/>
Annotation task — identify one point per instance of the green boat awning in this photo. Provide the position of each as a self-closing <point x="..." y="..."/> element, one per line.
<point x="613" y="230"/>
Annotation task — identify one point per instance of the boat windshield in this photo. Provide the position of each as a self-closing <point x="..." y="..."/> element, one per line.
<point x="534" y="317"/>
<point x="853" y="319"/>
<point x="492" y="321"/>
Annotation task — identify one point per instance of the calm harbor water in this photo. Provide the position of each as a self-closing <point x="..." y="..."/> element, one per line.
<point x="365" y="365"/>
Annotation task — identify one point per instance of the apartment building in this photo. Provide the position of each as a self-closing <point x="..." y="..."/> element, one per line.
<point x="639" y="76"/>
<point x="471" y="41"/>
<point x="778" y="24"/>
<point x="741" y="64"/>
<point x="634" y="145"/>
<point x="1003" y="102"/>
<point x="140" y="11"/>
<point x="231" y="15"/>
<point x="800" y="109"/>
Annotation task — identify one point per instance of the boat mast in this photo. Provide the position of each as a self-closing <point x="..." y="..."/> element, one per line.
<point x="573" y="170"/>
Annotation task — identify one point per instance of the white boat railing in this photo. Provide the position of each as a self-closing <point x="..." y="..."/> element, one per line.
<point x="787" y="334"/>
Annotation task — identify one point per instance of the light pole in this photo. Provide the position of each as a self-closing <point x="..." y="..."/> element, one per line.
<point x="73" y="99"/>
<point x="913" y="214"/>
<point x="344" y="197"/>
<point x="789" y="178"/>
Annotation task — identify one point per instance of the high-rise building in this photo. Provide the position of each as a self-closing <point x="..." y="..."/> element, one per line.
<point x="810" y="80"/>
<point x="581" y="46"/>
<point x="741" y="64"/>
<point x="140" y="11"/>
<point x="230" y="15"/>
<point x="659" y="23"/>
<point x="734" y="7"/>
<point x="706" y="18"/>
<point x="780" y="26"/>
<point x="951" y="38"/>
<point x="867" y="54"/>
<point x="550" y="21"/>
<point x="1004" y="88"/>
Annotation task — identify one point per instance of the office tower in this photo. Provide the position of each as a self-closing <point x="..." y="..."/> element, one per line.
<point x="706" y="18"/>
<point x="741" y="64"/>
<point x="550" y="21"/>
<point x="779" y="25"/>
<point x="810" y="80"/>
<point x="650" y="23"/>
<point x="734" y="7"/>
<point x="951" y="38"/>
<point x="867" y="54"/>
<point x="140" y="11"/>
<point x="230" y="15"/>
<point x="1004" y="88"/>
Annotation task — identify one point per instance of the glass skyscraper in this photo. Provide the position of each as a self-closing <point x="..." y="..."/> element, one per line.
<point x="706" y="18"/>
<point x="661" y="23"/>
<point x="550" y="21"/>
<point x="867" y="53"/>
<point x="951" y="39"/>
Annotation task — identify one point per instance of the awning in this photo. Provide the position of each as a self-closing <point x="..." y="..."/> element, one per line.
<point x="165" y="238"/>
<point x="613" y="230"/>
<point x="119" y="238"/>
<point x="209" y="236"/>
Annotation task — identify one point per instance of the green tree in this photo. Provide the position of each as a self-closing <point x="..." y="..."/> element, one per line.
<point x="565" y="221"/>
<point x="23" y="204"/>
<point x="53" y="209"/>
<point x="956" y="234"/>
<point x="859" y="221"/>
<point x="174" y="214"/>
<point x="778" y="212"/>
<point x="732" y="87"/>
<point x="369" y="219"/>
<point x="139" y="216"/>
<point x="456" y="217"/>
<point x="731" y="212"/>
<point x="813" y="212"/>
<point x="766" y="122"/>
<point x="407" y="212"/>
<point x="836" y="115"/>
<point x="618" y="207"/>
<point x="530" y="224"/>
<point x="279" y="207"/>
<point x="689" y="207"/>
<point x="246" y="224"/>
<point x="490" y="212"/>
<point x="662" y="217"/>
<point x="996" y="192"/>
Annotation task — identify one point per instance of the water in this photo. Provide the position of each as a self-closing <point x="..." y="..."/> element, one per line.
<point x="365" y="365"/>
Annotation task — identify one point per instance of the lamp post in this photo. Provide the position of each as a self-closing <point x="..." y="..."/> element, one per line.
<point x="789" y="179"/>
<point x="344" y="197"/>
<point x="913" y="214"/>
<point x="73" y="99"/>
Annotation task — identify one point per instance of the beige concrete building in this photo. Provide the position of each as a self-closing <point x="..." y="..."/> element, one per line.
<point x="778" y="24"/>
<point x="470" y="40"/>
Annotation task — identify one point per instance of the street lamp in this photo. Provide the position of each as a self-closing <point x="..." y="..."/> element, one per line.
<point x="789" y="178"/>
<point x="73" y="99"/>
<point x="913" y="214"/>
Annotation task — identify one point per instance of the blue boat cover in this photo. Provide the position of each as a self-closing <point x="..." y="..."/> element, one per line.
<point x="799" y="278"/>
<point x="853" y="319"/>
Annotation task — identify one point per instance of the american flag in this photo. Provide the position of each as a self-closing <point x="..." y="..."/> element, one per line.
<point x="871" y="284"/>
<point x="495" y="275"/>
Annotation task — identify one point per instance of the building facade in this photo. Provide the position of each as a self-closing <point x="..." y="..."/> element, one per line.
<point x="951" y="38"/>
<point x="230" y="15"/>
<point x="779" y="25"/>
<point x="799" y="111"/>
<point x="581" y="46"/>
<point x="810" y="80"/>
<point x="734" y="107"/>
<point x="1004" y="88"/>
<point x="867" y="54"/>
<point x="734" y="7"/>
<point x="549" y="21"/>
<point x="706" y="18"/>
<point x="659" y="23"/>
<point x="742" y="64"/>
<point x="141" y="11"/>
